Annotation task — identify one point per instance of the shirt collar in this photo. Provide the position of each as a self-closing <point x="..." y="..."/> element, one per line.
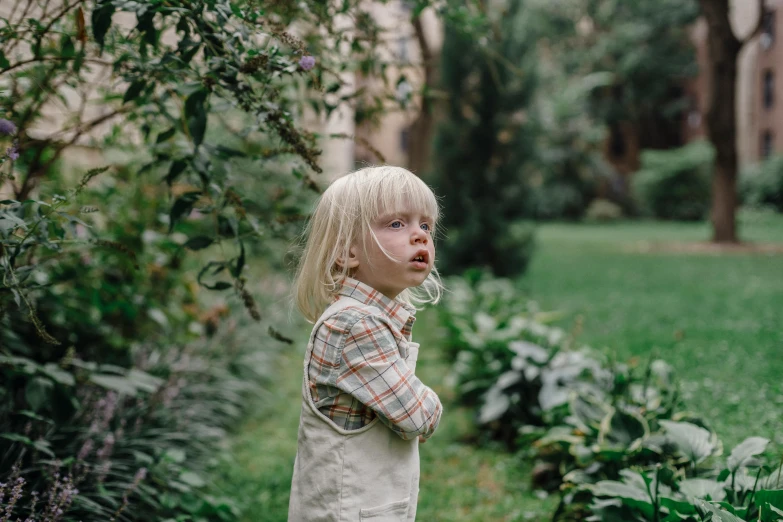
<point x="401" y="314"/>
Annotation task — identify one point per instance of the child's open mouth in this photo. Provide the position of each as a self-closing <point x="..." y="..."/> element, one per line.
<point x="421" y="260"/>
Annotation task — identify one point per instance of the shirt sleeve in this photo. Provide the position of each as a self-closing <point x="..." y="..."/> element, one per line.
<point x="372" y="371"/>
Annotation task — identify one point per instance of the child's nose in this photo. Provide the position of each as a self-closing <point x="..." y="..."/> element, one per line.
<point x="419" y="236"/>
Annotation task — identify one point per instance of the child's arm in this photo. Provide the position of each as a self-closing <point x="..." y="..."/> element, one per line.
<point x="372" y="371"/>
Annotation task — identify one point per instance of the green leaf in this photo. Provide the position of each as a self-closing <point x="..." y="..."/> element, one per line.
<point x="220" y="285"/>
<point x="177" y="167"/>
<point x="228" y="152"/>
<point x="38" y="392"/>
<point x="236" y="271"/>
<point x="625" y="429"/>
<point x="114" y="383"/>
<point x="165" y="135"/>
<point x="144" y="381"/>
<point x="199" y="242"/>
<point x="191" y="479"/>
<point x="44" y="447"/>
<point x="745" y="451"/>
<point x="702" y="488"/>
<point x="134" y="89"/>
<point x="59" y="375"/>
<point x="67" y="49"/>
<point x="181" y="206"/>
<point x="101" y="21"/>
<point x="718" y="515"/>
<point x="196" y="115"/>
<point x="4" y="63"/>
<point x="770" y="503"/>
<point x="16" y="438"/>
<point x="694" y="442"/>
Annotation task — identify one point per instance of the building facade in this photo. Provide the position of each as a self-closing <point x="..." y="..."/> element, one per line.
<point x="759" y="82"/>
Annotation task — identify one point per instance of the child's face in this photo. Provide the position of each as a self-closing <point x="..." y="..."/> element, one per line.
<point x="407" y="237"/>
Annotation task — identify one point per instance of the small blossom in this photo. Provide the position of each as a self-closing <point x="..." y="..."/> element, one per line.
<point x="7" y="127"/>
<point x="108" y="445"/>
<point x="141" y="474"/>
<point x="85" y="449"/>
<point x="307" y="62"/>
<point x="12" y="153"/>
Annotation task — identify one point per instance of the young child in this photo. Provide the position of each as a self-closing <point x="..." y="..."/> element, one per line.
<point x="369" y="257"/>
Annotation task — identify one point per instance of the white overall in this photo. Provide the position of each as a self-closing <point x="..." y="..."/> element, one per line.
<point x="368" y="474"/>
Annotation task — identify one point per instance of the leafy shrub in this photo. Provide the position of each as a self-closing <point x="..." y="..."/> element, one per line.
<point x="483" y="315"/>
<point x="132" y="407"/>
<point x="743" y="487"/>
<point x="675" y="184"/>
<point x="762" y="184"/>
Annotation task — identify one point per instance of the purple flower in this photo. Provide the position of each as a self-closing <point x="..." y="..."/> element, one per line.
<point x="12" y="153"/>
<point x="141" y="474"/>
<point x="307" y="62"/>
<point x="7" y="127"/>
<point x="85" y="450"/>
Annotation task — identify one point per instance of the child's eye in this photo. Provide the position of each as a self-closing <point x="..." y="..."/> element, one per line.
<point x="426" y="227"/>
<point x="396" y="223"/>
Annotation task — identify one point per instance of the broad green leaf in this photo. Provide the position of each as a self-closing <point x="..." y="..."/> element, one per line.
<point x="694" y="442"/>
<point x="623" y="428"/>
<point x="144" y="381"/>
<point x="587" y="412"/>
<point x="192" y="479"/>
<point x="745" y="451"/>
<point x="59" y="375"/>
<point x="702" y="488"/>
<point x="114" y="383"/>
<point x="718" y="515"/>
<point x="766" y="500"/>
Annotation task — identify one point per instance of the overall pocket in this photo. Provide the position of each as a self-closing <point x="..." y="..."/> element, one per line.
<point x="392" y="512"/>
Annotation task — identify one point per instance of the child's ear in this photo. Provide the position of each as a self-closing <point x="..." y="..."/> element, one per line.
<point x="351" y="262"/>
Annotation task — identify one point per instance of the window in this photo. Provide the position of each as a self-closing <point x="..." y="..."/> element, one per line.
<point x="769" y="89"/>
<point x="766" y="144"/>
<point x="768" y="29"/>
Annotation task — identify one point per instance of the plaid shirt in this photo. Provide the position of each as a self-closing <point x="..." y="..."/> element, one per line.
<point x="357" y="369"/>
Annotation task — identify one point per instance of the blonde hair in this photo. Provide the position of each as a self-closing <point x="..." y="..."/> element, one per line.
<point x="342" y="217"/>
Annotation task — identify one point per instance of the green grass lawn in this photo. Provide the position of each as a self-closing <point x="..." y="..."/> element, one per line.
<point x="715" y="318"/>
<point x="718" y="319"/>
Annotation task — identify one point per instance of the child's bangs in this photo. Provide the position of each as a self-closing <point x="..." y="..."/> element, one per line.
<point x="402" y="191"/>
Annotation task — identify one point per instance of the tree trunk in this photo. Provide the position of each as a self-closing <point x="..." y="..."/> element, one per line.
<point x="422" y="129"/>
<point x="723" y="49"/>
